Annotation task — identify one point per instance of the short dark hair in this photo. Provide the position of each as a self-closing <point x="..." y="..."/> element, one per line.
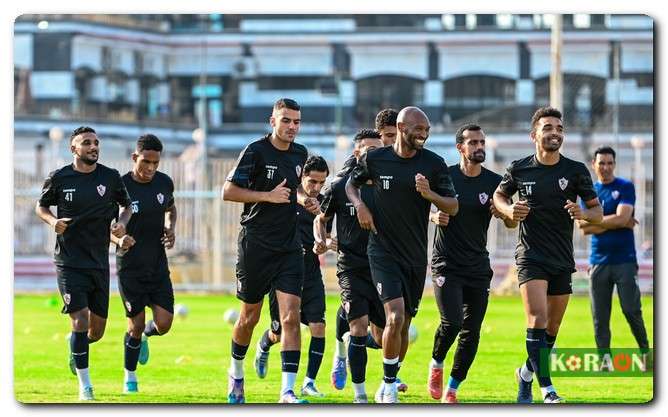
<point x="459" y="136"/>
<point x="315" y="163"/>
<point x="81" y="130"/>
<point x="366" y="134"/>
<point x="386" y="117"/>
<point x="286" y="103"/>
<point x="149" y="142"/>
<point x="605" y="150"/>
<point x="544" y="112"/>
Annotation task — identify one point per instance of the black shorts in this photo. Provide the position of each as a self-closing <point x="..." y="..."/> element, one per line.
<point x="139" y="292"/>
<point x="558" y="281"/>
<point x="393" y="280"/>
<point x="260" y="270"/>
<point x="359" y="296"/>
<point x="312" y="307"/>
<point x="84" y="288"/>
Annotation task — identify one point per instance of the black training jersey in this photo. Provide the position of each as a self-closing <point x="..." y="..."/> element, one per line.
<point x="400" y="213"/>
<point x="150" y="201"/>
<point x="91" y="200"/>
<point x="461" y="246"/>
<point x="546" y="235"/>
<point x="261" y="167"/>
<point x="352" y="239"/>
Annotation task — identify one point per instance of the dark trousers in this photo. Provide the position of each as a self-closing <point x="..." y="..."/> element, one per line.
<point x="603" y="278"/>
<point x="462" y="309"/>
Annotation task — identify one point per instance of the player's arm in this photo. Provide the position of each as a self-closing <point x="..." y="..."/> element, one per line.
<point x="169" y="237"/>
<point x="507" y="221"/>
<point x="320" y="233"/>
<point x="590" y="229"/>
<point x="444" y="197"/>
<point x="438" y="217"/>
<point x="232" y="192"/>
<point x="118" y="229"/>
<point x="59" y="225"/>
<point x="358" y="177"/>
<point x="48" y="198"/>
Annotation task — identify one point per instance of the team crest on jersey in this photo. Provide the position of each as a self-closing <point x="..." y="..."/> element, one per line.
<point x="440" y="281"/>
<point x="275" y="325"/>
<point x="379" y="287"/>
<point x="298" y="170"/>
<point x="483" y="198"/>
<point x="161" y="198"/>
<point x="563" y="183"/>
<point x="128" y="306"/>
<point x="615" y="194"/>
<point x="67" y="298"/>
<point x="101" y="189"/>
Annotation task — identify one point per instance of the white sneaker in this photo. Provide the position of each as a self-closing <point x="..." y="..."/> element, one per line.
<point x="86" y="394"/>
<point x="378" y="398"/>
<point x="390" y="394"/>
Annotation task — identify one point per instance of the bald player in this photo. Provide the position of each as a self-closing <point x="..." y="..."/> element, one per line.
<point x="406" y="180"/>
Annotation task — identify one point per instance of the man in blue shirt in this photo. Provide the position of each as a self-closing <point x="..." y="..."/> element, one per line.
<point x="613" y="255"/>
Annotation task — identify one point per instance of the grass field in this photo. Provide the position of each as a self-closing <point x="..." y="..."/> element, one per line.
<point x="188" y="365"/>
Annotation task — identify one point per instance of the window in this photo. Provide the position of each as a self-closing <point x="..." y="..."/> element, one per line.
<point x="379" y="92"/>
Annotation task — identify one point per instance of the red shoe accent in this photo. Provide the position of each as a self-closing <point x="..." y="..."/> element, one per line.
<point x="435" y="383"/>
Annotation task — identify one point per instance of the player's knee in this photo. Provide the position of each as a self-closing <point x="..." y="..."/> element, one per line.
<point x="163" y="325"/>
<point x="248" y="319"/>
<point x="290" y="320"/>
<point x="95" y="334"/>
<point x="317" y="329"/>
<point x="136" y="329"/>
<point x="395" y="320"/>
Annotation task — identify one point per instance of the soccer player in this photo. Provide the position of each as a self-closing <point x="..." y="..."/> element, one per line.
<point x="406" y="180"/>
<point x="461" y="271"/>
<point x="143" y="272"/>
<point x="548" y="184"/>
<point x="266" y="179"/>
<point x="86" y="195"/>
<point x="613" y="253"/>
<point x="359" y="298"/>
<point x="313" y="290"/>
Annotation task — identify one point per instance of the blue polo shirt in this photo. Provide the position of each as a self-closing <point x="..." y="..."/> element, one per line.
<point x="614" y="246"/>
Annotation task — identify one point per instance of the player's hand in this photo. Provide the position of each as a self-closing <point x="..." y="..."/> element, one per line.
<point x="495" y="212"/>
<point x="312" y="205"/>
<point x="422" y="185"/>
<point x="118" y="229"/>
<point x="168" y="238"/>
<point x="520" y="210"/>
<point x="280" y="194"/>
<point x="126" y="242"/>
<point x="574" y="210"/>
<point x="439" y="218"/>
<point x="365" y="218"/>
<point x="61" y="225"/>
<point x="631" y="223"/>
<point x="319" y="247"/>
<point x="333" y="244"/>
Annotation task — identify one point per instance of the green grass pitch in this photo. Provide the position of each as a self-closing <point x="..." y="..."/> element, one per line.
<point x="189" y="364"/>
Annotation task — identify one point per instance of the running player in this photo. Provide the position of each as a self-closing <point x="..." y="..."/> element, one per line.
<point x="548" y="184"/>
<point x="313" y="290"/>
<point x="86" y="195"/>
<point x="143" y="272"/>
<point x="359" y="299"/>
<point x="406" y="180"/>
<point x="266" y="179"/>
<point x="461" y="271"/>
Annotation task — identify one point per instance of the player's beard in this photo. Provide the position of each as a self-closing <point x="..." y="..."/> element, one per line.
<point x="86" y="160"/>
<point x="477" y="157"/>
<point x="550" y="146"/>
<point x="415" y="142"/>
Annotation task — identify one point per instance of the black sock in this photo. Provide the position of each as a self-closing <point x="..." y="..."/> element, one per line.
<point x="238" y="351"/>
<point x="79" y="349"/>
<point x="550" y="341"/>
<point x="357" y="358"/>
<point x="290" y="360"/>
<point x="390" y="372"/>
<point x="150" y="329"/>
<point x="535" y="342"/>
<point x="131" y="352"/>
<point x="265" y="341"/>
<point x="341" y="324"/>
<point x="315" y="352"/>
<point x="371" y="342"/>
